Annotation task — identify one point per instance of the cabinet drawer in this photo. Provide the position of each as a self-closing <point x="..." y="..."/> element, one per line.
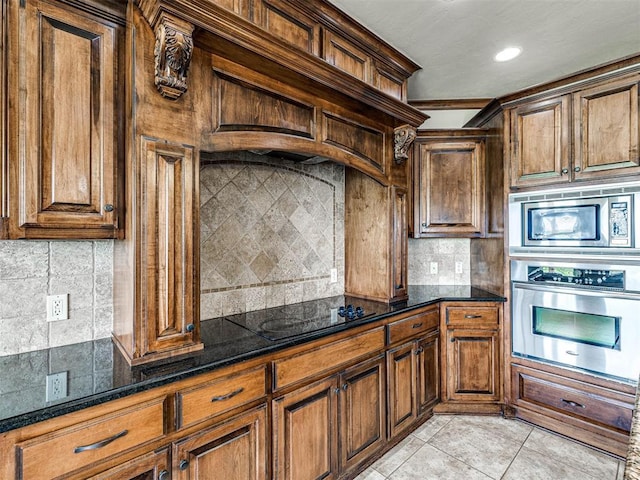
<point x="288" y="371"/>
<point x="571" y="399"/>
<point x="206" y="400"/>
<point x="473" y="316"/>
<point x="55" y="454"/>
<point x="412" y="326"/>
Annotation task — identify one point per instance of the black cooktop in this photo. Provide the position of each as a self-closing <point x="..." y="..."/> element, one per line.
<point x="288" y="321"/>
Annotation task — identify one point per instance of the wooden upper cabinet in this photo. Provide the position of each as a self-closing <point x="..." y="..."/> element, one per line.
<point x="347" y="57"/>
<point x="586" y="134"/>
<point x="606" y="130"/>
<point x="540" y="142"/>
<point x="399" y="242"/>
<point x="292" y="26"/>
<point x="64" y="147"/>
<point x="449" y="195"/>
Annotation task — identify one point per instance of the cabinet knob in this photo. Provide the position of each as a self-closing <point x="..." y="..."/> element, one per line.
<point x="576" y="169"/>
<point x="345" y="386"/>
<point x="109" y="208"/>
<point x="191" y="327"/>
<point x="564" y="171"/>
<point x="453" y="340"/>
<point x="163" y="475"/>
<point x="336" y="391"/>
<point x="184" y="464"/>
<point x="424" y="225"/>
<point x="419" y="351"/>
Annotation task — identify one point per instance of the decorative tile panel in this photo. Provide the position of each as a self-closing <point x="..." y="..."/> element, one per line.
<point x="266" y="223"/>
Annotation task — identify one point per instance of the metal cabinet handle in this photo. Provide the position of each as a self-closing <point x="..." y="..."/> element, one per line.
<point x="416" y="325"/>
<point x="191" y="327"/>
<point x="101" y="443"/>
<point x="336" y="390"/>
<point x="564" y="171"/>
<point x="419" y="351"/>
<point x="163" y="475"/>
<point x="345" y="386"/>
<point x="109" y="208"/>
<point x="472" y="316"/>
<point x="572" y="403"/>
<point x="219" y="398"/>
<point x="576" y="169"/>
<point x="184" y="464"/>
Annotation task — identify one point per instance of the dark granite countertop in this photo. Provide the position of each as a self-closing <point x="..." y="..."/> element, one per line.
<point x="98" y="373"/>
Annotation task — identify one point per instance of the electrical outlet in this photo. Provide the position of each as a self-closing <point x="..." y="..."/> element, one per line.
<point x="434" y="268"/>
<point x="56" y="386"/>
<point x="458" y="267"/>
<point x="57" y="307"/>
<point x="334" y="275"/>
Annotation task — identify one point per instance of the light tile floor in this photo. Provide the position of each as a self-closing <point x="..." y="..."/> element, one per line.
<point x="483" y="447"/>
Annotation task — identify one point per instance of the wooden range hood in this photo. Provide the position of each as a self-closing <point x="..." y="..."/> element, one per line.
<point x="282" y="75"/>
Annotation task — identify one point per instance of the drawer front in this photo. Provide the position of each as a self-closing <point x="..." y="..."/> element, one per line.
<point x="288" y="371"/>
<point x="412" y="326"/>
<point x="574" y="402"/>
<point x="53" y="455"/>
<point x="470" y="316"/>
<point x="212" y="398"/>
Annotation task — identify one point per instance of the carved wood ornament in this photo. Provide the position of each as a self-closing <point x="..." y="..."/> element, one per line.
<point x="174" y="46"/>
<point x="402" y="140"/>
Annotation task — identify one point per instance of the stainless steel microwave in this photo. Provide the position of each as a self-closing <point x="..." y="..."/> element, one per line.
<point x="575" y="219"/>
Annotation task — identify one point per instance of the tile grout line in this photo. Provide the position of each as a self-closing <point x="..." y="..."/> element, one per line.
<point x="516" y="455"/>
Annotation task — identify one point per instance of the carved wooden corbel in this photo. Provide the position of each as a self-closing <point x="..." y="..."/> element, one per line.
<point x="174" y="46"/>
<point x="403" y="139"/>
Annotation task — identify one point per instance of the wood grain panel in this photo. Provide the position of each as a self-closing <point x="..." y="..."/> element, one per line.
<point x="291" y="26"/>
<point x="168" y="195"/>
<point x="68" y="158"/>
<point x="362" y="411"/>
<point x="305" y="436"/>
<point x="344" y="55"/>
<point x="540" y="142"/>
<point x="206" y="400"/>
<point x="607" y="136"/>
<point x="360" y="140"/>
<point x="412" y="326"/>
<point x="428" y="374"/>
<point x="234" y="450"/>
<point x="39" y="458"/>
<point x="402" y="387"/>
<point x="240" y="106"/>
<point x="290" y="370"/>
<point x="390" y="85"/>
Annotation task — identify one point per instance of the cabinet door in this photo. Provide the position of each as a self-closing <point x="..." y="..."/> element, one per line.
<point x="234" y="450"/>
<point x="428" y="363"/>
<point x="362" y="412"/>
<point x="65" y="162"/>
<point x="153" y="466"/>
<point x="540" y="138"/>
<point x="451" y="185"/>
<point x="473" y="371"/>
<point x="402" y="388"/>
<point x="305" y="440"/>
<point x="606" y="130"/>
<point x="399" y="243"/>
<point x="347" y="57"/>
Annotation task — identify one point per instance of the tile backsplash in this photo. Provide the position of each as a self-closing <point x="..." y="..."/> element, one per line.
<point x="271" y="230"/>
<point x="445" y="252"/>
<point x="31" y="270"/>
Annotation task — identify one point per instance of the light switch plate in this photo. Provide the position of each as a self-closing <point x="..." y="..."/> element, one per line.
<point x="458" y="267"/>
<point x="334" y="275"/>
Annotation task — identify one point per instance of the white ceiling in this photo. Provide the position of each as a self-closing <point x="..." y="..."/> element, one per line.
<point x="454" y="41"/>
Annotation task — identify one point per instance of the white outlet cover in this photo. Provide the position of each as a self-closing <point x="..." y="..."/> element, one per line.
<point x="458" y="267"/>
<point x="57" y="307"/>
<point x="56" y="386"/>
<point x="434" y="268"/>
<point x="334" y="275"/>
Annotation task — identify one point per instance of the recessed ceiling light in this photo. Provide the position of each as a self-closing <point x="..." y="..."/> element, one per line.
<point x="508" y="53"/>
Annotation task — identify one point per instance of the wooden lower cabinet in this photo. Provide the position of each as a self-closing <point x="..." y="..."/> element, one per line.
<point x="233" y="450"/>
<point x="152" y="466"/>
<point x="331" y="426"/>
<point x="595" y="414"/>
<point x="471" y="370"/>
<point x="412" y="381"/>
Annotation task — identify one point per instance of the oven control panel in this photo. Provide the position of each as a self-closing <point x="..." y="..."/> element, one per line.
<point x="607" y="279"/>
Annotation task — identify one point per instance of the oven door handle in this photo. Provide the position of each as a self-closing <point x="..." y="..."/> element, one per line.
<point x="575" y="290"/>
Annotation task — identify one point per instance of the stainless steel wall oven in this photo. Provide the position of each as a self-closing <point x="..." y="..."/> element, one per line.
<point x="580" y="315"/>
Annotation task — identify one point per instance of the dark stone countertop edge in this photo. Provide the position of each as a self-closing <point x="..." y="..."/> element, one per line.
<point x="54" y="411"/>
